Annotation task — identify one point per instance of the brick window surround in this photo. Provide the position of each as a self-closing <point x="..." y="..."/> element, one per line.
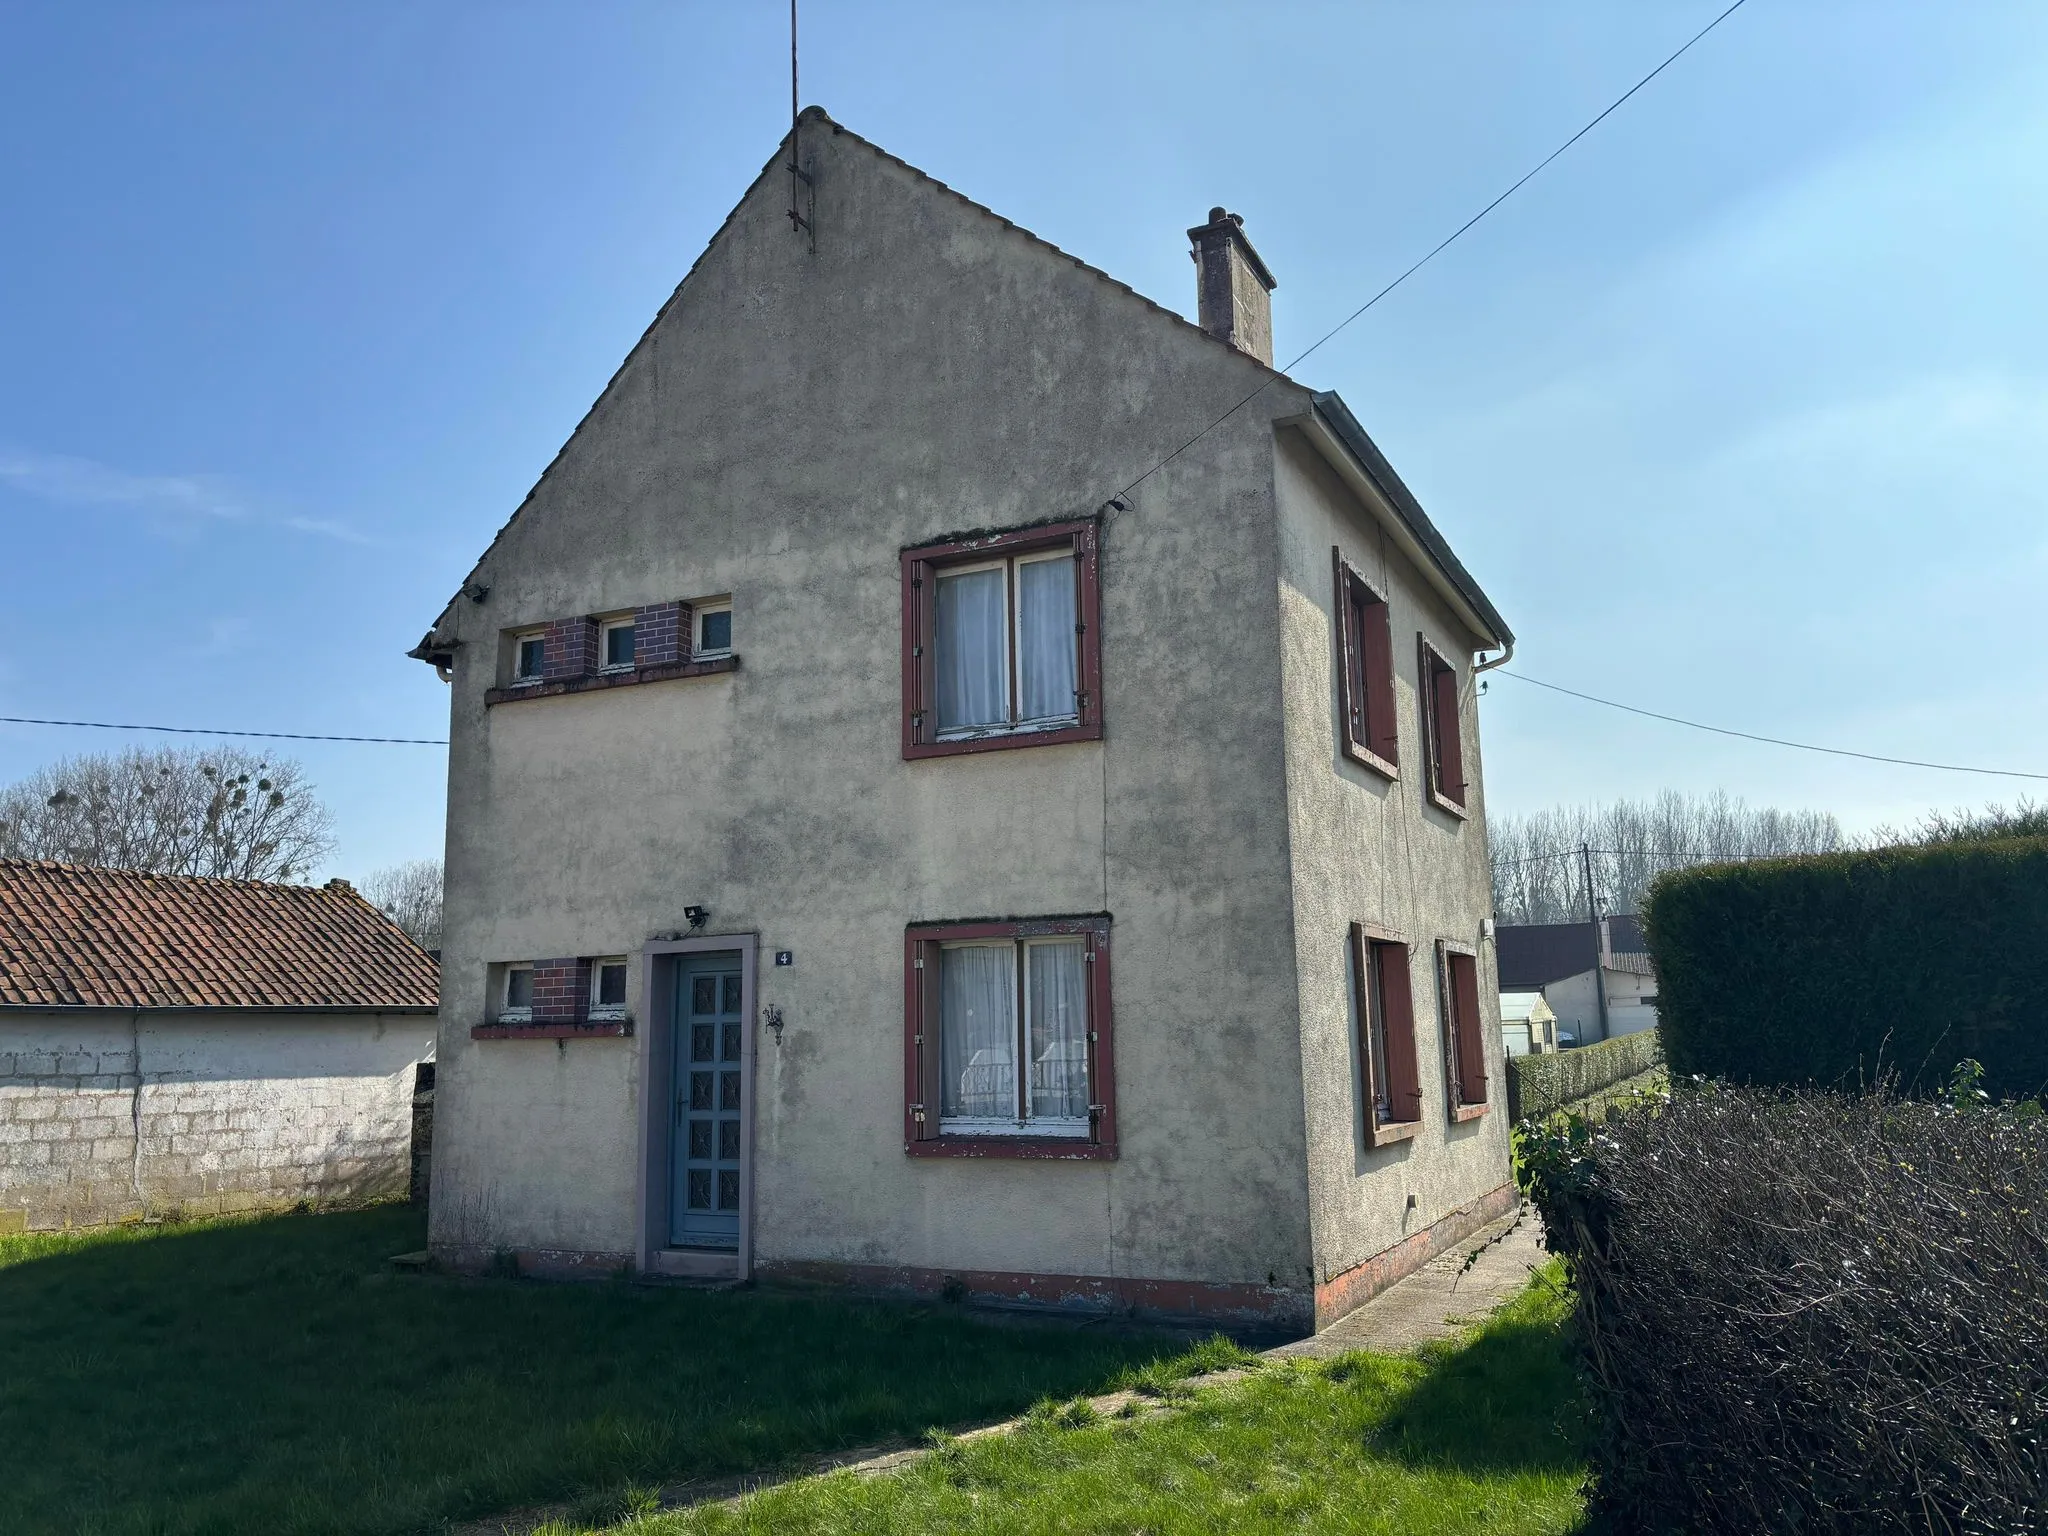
<point x="1464" y="1040"/>
<point x="561" y="1005"/>
<point x="922" y="1135"/>
<point x="1443" y="736"/>
<point x="571" y="661"/>
<point x="1369" y="733"/>
<point x="1383" y="997"/>
<point x="924" y="564"/>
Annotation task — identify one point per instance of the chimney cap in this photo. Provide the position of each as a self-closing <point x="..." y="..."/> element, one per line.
<point x="1231" y="226"/>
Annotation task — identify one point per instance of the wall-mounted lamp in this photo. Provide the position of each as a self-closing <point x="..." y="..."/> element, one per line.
<point x="696" y="916"/>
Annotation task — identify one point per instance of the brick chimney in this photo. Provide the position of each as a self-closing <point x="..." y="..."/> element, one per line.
<point x="1234" y="286"/>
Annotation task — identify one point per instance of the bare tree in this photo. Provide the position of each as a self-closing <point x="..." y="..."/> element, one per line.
<point x="1540" y="877"/>
<point x="410" y="895"/>
<point x="221" y="812"/>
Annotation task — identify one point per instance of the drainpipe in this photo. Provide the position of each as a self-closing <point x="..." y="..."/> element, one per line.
<point x="1507" y="654"/>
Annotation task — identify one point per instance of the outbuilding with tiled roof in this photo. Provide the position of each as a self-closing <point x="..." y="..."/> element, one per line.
<point x="175" y="1043"/>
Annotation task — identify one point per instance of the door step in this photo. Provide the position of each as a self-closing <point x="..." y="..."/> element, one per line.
<point x="694" y="1264"/>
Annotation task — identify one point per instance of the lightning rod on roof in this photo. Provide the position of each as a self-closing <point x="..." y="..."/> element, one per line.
<point x="802" y="197"/>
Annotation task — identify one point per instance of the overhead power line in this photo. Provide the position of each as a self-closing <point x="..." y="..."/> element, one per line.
<point x="1775" y="741"/>
<point x="1434" y="251"/>
<point x="193" y="730"/>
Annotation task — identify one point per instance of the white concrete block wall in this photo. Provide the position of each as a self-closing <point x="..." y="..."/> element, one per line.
<point x="108" y="1114"/>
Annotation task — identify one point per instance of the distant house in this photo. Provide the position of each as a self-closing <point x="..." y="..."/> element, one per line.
<point x="1600" y="984"/>
<point x="204" y="1046"/>
<point x="1527" y="1026"/>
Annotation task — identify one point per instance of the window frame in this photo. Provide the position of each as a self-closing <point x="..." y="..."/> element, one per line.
<point x="520" y="639"/>
<point x="506" y="1013"/>
<point x="922" y="566"/>
<point x="1463" y="1026"/>
<point x="1387" y="954"/>
<point x="596" y="1009"/>
<point x="1437" y="684"/>
<point x="923" y="1135"/>
<point x="699" y="612"/>
<point x="1368" y="723"/>
<point x="606" y="628"/>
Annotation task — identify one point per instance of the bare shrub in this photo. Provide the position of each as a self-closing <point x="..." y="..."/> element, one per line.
<point x="1809" y="1312"/>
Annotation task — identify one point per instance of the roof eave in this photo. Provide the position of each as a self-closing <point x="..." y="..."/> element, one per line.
<point x="1335" y="433"/>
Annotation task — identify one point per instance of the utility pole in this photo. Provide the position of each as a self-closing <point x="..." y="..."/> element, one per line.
<point x="1593" y="921"/>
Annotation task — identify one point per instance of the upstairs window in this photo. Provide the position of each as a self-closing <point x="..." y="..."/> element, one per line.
<point x="608" y="988"/>
<point x="714" y="631"/>
<point x="515" y="1003"/>
<point x="1365" y="672"/>
<point x="615" y="645"/>
<point x="1443" y="739"/>
<point x="1008" y="1039"/>
<point x="1000" y="641"/>
<point x="1383" y="1002"/>
<point x="529" y="656"/>
<point x="1457" y="981"/>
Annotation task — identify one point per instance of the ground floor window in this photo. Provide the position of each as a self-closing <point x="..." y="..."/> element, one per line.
<point x="1457" y="979"/>
<point x="1384" y="1010"/>
<point x="1008" y="1038"/>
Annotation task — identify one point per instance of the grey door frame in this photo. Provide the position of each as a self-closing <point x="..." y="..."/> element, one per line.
<point x="656" y="1062"/>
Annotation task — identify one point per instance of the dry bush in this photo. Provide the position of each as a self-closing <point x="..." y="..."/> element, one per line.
<point x="1807" y="1311"/>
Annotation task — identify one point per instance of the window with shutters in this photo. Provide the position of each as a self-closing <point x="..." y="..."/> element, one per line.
<point x="1383" y="1001"/>
<point x="1007" y="1045"/>
<point x="1001" y="643"/>
<point x="1457" y="987"/>
<point x="1443" y="738"/>
<point x="1365" y="672"/>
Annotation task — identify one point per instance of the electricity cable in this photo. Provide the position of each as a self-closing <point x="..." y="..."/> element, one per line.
<point x="193" y="730"/>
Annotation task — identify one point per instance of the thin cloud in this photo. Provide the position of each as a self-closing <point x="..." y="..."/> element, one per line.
<point x="84" y="482"/>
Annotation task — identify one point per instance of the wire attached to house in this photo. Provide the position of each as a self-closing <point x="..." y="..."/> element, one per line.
<point x="192" y="730"/>
<point x="1433" y="253"/>
<point x="1775" y="741"/>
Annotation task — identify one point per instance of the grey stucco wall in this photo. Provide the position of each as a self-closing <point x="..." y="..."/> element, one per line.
<point x="788" y="424"/>
<point x="1369" y="849"/>
<point x="107" y="1114"/>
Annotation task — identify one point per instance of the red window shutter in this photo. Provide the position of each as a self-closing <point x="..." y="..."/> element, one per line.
<point x="917" y="651"/>
<point x="1378" y="662"/>
<point x="1088" y="606"/>
<point x="1101" y="1059"/>
<point x="1471" y="1039"/>
<point x="921" y="1040"/>
<point x="1350" y="698"/>
<point x="1450" y="739"/>
<point x="1404" y="1090"/>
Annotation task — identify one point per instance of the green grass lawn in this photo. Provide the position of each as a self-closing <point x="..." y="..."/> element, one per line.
<point x="1478" y="1436"/>
<point x="278" y="1376"/>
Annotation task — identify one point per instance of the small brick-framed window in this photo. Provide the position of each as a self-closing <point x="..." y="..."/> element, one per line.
<point x="981" y="998"/>
<point x="615" y="645"/>
<point x="1365" y="672"/>
<point x="1443" y="738"/>
<point x="1383" y="997"/>
<point x="529" y="656"/>
<point x="1464" y="1038"/>
<point x="608" y="987"/>
<point x="515" y="997"/>
<point x="713" y="619"/>
<point x="1002" y="643"/>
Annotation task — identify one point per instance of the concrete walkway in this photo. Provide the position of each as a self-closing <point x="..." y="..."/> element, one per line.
<point x="1452" y="1291"/>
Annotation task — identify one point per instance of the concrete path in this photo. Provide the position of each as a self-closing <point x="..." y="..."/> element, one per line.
<point x="1453" y="1290"/>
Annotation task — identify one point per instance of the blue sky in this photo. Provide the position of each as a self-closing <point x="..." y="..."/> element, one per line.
<point x="1740" y="410"/>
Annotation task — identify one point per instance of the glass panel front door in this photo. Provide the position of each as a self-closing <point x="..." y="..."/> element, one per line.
<point x="709" y="1088"/>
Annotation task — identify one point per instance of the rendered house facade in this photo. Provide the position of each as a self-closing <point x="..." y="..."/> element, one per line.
<point x="887" y="845"/>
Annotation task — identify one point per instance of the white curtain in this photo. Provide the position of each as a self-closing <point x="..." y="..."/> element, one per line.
<point x="978" y="1032"/>
<point x="1046" y="642"/>
<point x="971" y="659"/>
<point x="1056" y="976"/>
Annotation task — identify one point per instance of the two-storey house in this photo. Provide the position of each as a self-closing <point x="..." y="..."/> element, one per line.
<point x="925" y="813"/>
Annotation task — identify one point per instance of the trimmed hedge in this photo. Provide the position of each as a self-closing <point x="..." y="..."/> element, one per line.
<point x="1815" y="1313"/>
<point x="1842" y="969"/>
<point x="1539" y="1085"/>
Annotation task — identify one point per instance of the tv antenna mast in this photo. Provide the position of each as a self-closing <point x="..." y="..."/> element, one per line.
<point x="803" y="200"/>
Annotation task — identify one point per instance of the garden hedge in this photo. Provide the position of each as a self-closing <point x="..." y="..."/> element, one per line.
<point x="1841" y="969"/>
<point x="1539" y="1085"/>
<point x="1816" y="1313"/>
